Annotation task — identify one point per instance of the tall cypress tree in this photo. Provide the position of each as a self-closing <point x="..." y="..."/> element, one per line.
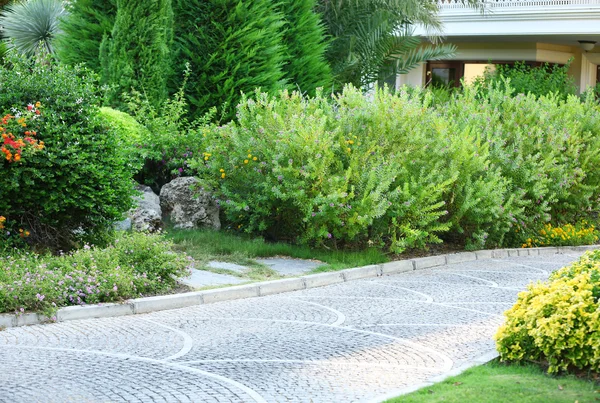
<point x="304" y="38"/>
<point x="137" y="56"/>
<point x="233" y="46"/>
<point x="83" y="29"/>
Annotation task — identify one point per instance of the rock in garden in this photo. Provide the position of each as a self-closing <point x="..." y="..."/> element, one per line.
<point x="147" y="216"/>
<point x="188" y="205"/>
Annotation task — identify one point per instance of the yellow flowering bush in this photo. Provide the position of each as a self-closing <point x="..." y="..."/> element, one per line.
<point x="565" y="235"/>
<point x="339" y="172"/>
<point x="557" y="322"/>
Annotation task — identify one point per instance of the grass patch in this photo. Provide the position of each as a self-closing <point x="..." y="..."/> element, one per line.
<point x="498" y="382"/>
<point x="206" y="245"/>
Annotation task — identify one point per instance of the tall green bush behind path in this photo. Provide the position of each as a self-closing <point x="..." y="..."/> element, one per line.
<point x="233" y="47"/>
<point x="83" y="29"/>
<point x="306" y="68"/>
<point x="137" y="55"/>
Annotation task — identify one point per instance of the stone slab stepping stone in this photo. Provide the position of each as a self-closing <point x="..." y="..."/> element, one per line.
<point x="227" y="266"/>
<point x="288" y="266"/>
<point x="201" y="278"/>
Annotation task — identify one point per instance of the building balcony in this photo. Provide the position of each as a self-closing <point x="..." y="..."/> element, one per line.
<point x="534" y="31"/>
<point x="520" y="17"/>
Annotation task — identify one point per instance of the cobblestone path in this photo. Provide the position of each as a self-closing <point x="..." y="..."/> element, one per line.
<point x="355" y="341"/>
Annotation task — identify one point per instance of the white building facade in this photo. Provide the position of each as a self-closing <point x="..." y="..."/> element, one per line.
<point x="533" y="31"/>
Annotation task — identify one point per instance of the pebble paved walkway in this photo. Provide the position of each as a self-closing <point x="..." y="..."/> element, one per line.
<point x="355" y="341"/>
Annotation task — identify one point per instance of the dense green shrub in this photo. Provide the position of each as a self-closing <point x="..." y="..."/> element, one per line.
<point x="137" y="56"/>
<point x="87" y="23"/>
<point x="524" y="79"/>
<point x="400" y="169"/>
<point x="557" y="322"/>
<point x="134" y="265"/>
<point x="546" y="148"/>
<point x="81" y="181"/>
<point x="233" y="46"/>
<point x="131" y="135"/>
<point x="168" y="140"/>
<point x="305" y="68"/>
<point x="296" y="168"/>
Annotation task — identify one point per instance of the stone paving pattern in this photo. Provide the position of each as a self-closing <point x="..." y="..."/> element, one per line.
<point x="355" y="341"/>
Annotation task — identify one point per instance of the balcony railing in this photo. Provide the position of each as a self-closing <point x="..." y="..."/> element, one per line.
<point x="492" y="4"/>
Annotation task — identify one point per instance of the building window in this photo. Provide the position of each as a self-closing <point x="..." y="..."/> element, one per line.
<point x="444" y="74"/>
<point x="450" y="74"/>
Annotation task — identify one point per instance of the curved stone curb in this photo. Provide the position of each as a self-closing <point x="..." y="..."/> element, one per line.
<point x="174" y="301"/>
<point x="482" y="359"/>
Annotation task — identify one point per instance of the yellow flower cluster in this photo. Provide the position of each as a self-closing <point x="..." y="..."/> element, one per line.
<point x="2" y="221"/>
<point x="581" y="234"/>
<point x="557" y="321"/>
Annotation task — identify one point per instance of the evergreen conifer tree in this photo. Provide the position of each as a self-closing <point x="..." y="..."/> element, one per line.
<point x="233" y="46"/>
<point x="304" y="37"/>
<point x="137" y="55"/>
<point x="83" y="30"/>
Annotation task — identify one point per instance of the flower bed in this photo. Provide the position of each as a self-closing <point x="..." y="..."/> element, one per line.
<point x="133" y="265"/>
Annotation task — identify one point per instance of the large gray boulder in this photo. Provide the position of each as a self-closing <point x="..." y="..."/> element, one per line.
<point x="188" y="206"/>
<point x="147" y="216"/>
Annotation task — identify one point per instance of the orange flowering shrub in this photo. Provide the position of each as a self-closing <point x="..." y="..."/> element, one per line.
<point x="18" y="134"/>
<point x="70" y="190"/>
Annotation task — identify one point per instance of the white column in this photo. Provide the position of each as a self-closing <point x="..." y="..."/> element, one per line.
<point x="414" y="78"/>
<point x="588" y="73"/>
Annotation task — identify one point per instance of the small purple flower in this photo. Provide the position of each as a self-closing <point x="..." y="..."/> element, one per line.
<point x="180" y="170"/>
<point x="279" y="177"/>
<point x="313" y="214"/>
<point x="329" y="235"/>
<point x="331" y="205"/>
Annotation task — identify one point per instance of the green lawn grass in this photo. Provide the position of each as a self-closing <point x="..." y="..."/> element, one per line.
<point x="206" y="245"/>
<point x="496" y="382"/>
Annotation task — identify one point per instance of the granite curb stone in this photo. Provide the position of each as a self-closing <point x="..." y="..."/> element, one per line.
<point x="461" y="257"/>
<point x="429" y="261"/>
<point x="164" y="302"/>
<point x="230" y="293"/>
<point x="362" y="272"/>
<point x="399" y="266"/>
<point x="279" y="286"/>
<point x="94" y="311"/>
<point x="323" y="279"/>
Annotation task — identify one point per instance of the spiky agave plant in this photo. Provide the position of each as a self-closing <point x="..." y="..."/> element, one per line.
<point x="31" y="25"/>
